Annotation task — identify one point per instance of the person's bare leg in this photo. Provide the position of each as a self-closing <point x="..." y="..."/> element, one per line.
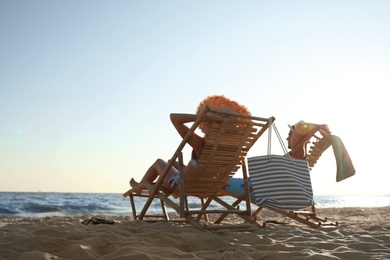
<point x="154" y="171"/>
<point x="151" y="175"/>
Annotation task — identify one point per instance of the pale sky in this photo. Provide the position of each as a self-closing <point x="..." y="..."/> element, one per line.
<point x="86" y="87"/>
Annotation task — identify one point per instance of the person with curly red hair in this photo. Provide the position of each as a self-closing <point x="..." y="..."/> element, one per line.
<point x="216" y="102"/>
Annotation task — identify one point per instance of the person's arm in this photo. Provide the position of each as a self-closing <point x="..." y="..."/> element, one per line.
<point x="298" y="148"/>
<point x="179" y="121"/>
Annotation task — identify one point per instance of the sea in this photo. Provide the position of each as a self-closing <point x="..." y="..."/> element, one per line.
<point x="49" y="204"/>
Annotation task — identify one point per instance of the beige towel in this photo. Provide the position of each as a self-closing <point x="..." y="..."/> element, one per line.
<point x="345" y="167"/>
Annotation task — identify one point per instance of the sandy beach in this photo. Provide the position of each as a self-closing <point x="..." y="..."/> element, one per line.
<point x="363" y="233"/>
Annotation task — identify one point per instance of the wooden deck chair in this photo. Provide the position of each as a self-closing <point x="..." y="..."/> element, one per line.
<point x="227" y="144"/>
<point x="318" y="140"/>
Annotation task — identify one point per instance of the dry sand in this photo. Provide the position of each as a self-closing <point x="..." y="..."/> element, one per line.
<point x="363" y="233"/>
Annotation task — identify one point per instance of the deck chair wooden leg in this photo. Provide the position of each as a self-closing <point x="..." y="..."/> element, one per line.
<point x="256" y="212"/>
<point x="206" y="216"/>
<point x="240" y="198"/>
<point x="204" y="207"/>
<point x="246" y="187"/>
<point x="321" y="222"/>
<point x="228" y="206"/>
<point x="173" y="205"/>
<point x="164" y="210"/>
<point x="305" y="219"/>
<point x="133" y="209"/>
<point x="224" y="215"/>
<point x="183" y="198"/>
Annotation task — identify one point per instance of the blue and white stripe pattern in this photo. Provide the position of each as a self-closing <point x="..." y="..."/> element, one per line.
<point x="280" y="182"/>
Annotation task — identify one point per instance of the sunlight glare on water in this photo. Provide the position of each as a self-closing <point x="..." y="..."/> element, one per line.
<point x="352" y="201"/>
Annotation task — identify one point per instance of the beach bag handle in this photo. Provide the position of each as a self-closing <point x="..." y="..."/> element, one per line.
<point x="273" y="126"/>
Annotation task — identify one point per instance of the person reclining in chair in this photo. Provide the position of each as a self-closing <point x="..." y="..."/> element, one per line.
<point x="217" y="102"/>
<point x="298" y="132"/>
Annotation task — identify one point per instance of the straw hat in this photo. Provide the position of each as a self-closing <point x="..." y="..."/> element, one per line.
<point x="220" y="102"/>
<point x="292" y="127"/>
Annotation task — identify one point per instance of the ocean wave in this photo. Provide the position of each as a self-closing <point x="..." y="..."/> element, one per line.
<point x="14" y="204"/>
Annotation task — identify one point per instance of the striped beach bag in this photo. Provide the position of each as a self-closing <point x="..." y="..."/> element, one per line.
<point x="279" y="181"/>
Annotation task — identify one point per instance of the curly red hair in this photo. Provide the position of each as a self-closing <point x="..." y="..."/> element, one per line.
<point x="220" y="102"/>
